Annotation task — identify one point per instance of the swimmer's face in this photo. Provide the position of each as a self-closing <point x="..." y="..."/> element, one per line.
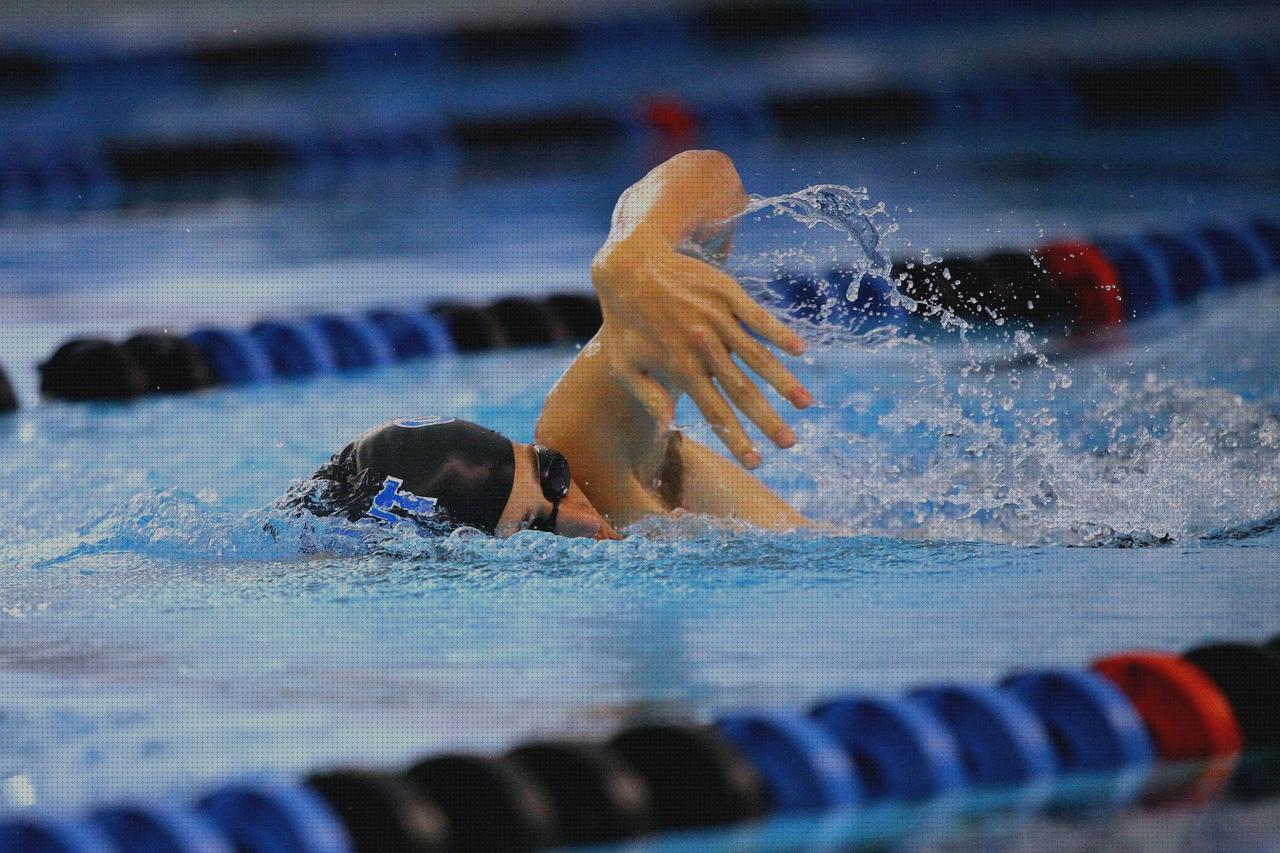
<point x="527" y="504"/>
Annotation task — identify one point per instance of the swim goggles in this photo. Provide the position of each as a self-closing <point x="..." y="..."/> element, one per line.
<point x="554" y="477"/>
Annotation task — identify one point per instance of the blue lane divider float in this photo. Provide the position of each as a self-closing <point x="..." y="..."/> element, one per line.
<point x="356" y="343"/>
<point x="1148" y="286"/>
<point x="160" y="828"/>
<point x="1160" y="270"/>
<point x="1239" y="254"/>
<point x="1091" y="724"/>
<point x="53" y="836"/>
<point x="827" y="302"/>
<point x="803" y="765"/>
<point x="1001" y="741"/>
<point x="1067" y="726"/>
<point x="276" y="816"/>
<point x="901" y="749"/>
<point x="1267" y="232"/>
<point x="411" y="335"/>
<point x="234" y="356"/>
<point x="296" y="349"/>
<point x="1189" y="264"/>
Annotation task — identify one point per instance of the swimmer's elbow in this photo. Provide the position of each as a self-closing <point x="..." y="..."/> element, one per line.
<point x="602" y="266"/>
<point x="710" y="169"/>
<point x="705" y="161"/>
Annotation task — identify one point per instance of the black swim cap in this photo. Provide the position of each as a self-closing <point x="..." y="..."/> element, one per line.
<point x="432" y="471"/>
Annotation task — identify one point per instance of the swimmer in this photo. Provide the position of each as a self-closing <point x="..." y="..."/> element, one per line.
<point x="606" y="450"/>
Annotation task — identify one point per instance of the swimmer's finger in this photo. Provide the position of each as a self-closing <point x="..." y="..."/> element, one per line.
<point x="747" y="397"/>
<point x="723" y="421"/>
<point x="742" y="305"/>
<point x="760" y="321"/>
<point x="766" y="365"/>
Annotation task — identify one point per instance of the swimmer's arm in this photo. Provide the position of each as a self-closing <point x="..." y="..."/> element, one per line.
<point x="612" y="444"/>
<point x="690" y="196"/>
<point x="619" y="455"/>
<point x="672" y="325"/>
<point x="714" y="485"/>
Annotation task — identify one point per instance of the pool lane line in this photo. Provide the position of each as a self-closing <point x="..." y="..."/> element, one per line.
<point x="1075" y="289"/>
<point x="104" y="169"/>
<point x="150" y="363"/>
<point x="1056" y="741"/>
<point x="36" y="70"/>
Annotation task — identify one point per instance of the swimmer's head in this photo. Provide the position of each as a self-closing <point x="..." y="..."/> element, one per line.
<point x="444" y="473"/>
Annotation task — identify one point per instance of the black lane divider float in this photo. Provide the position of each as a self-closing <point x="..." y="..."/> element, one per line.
<point x="1067" y="288"/>
<point x="8" y="400"/>
<point x="1154" y="727"/>
<point x="52" y="175"/>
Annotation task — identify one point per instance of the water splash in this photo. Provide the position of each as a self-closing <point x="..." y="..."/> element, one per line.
<point x="846" y="210"/>
<point x="172" y="524"/>
<point x="834" y="273"/>
<point x="987" y="437"/>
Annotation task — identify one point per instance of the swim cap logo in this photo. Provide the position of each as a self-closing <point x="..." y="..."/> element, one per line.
<point x="391" y="498"/>
<point x="414" y="423"/>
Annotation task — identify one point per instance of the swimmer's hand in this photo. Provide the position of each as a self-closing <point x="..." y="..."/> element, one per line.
<point x="673" y="324"/>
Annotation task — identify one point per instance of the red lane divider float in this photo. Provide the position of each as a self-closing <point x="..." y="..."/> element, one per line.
<point x="673" y="121"/>
<point x="1187" y="715"/>
<point x="1090" y="278"/>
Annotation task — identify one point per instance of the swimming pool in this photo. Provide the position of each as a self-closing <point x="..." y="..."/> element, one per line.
<point x="163" y="627"/>
<point x="156" y="638"/>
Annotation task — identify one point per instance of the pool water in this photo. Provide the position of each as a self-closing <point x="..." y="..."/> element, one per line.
<point x="163" y="625"/>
